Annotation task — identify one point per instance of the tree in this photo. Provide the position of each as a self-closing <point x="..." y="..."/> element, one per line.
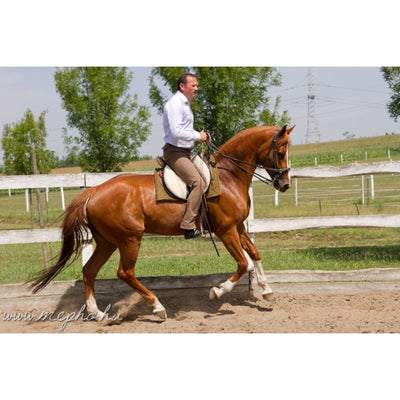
<point x="229" y="98"/>
<point x="111" y="123"/>
<point x="392" y="76"/>
<point x="17" y="144"/>
<point x="348" y="135"/>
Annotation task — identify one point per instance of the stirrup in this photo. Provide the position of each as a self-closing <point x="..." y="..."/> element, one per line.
<point x="194" y="233"/>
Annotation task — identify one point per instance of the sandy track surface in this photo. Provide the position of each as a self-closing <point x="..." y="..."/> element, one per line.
<point x="317" y="307"/>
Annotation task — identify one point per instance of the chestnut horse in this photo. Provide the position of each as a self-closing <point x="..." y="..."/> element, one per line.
<point x="118" y="212"/>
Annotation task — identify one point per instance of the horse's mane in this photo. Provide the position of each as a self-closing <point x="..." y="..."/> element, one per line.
<point x="237" y="140"/>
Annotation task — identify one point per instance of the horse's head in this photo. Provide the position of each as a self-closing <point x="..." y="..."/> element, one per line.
<point x="275" y="159"/>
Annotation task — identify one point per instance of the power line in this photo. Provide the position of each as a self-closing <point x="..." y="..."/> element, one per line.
<point x="329" y="99"/>
<point x="323" y="84"/>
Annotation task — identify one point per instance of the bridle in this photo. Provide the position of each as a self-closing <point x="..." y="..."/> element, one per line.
<point x="276" y="172"/>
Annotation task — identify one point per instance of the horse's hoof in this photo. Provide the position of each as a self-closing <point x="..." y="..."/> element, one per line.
<point x="213" y="294"/>
<point x="159" y="310"/>
<point x="161" y="314"/>
<point x="216" y="293"/>
<point x="269" y="297"/>
<point x="97" y="315"/>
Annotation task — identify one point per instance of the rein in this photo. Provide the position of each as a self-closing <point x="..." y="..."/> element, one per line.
<point x="237" y="162"/>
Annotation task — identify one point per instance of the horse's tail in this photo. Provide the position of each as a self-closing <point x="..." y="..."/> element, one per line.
<point x="75" y="229"/>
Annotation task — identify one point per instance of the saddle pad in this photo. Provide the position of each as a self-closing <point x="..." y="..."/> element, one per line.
<point x="175" y="185"/>
<point x="162" y="194"/>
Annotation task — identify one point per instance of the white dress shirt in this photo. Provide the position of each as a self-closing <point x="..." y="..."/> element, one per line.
<point x="178" y="122"/>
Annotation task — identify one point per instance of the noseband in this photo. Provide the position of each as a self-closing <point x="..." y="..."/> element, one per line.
<point x="276" y="172"/>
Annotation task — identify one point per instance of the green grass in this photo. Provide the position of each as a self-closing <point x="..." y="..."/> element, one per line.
<point x="330" y="196"/>
<point x="360" y="144"/>
<point x="13" y="214"/>
<point x="352" y="150"/>
<point x="336" y="258"/>
<point x="326" y="249"/>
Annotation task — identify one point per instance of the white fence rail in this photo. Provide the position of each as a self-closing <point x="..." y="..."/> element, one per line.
<point x="344" y="221"/>
<point x="392" y="167"/>
<point x="254" y="225"/>
<point x="92" y="179"/>
<point x="61" y="181"/>
<point x="56" y="180"/>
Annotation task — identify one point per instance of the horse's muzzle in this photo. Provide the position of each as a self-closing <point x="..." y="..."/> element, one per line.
<point x="281" y="184"/>
<point x="285" y="187"/>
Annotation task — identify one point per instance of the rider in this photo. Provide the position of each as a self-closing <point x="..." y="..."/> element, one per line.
<point x="179" y="142"/>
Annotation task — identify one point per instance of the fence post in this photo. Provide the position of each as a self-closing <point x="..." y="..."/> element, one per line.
<point x="276" y="197"/>
<point x="27" y="199"/>
<point x="39" y="204"/>
<point x="296" y="200"/>
<point x="62" y="198"/>
<point x="362" y="189"/>
<point x="251" y="211"/>
<point x="372" y="187"/>
<point x="251" y="195"/>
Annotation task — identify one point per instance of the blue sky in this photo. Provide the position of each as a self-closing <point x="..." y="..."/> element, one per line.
<point x="349" y="99"/>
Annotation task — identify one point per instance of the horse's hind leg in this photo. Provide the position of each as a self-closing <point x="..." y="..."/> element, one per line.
<point x="253" y="253"/>
<point x="126" y="271"/>
<point x="101" y="254"/>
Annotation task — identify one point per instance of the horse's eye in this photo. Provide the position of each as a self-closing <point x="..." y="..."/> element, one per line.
<point x="281" y="155"/>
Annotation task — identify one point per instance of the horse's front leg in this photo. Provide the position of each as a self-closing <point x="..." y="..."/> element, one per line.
<point x="126" y="272"/>
<point x="232" y="243"/>
<point x="254" y="255"/>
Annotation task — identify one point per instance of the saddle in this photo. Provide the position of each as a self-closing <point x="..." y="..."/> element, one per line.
<point x="169" y="186"/>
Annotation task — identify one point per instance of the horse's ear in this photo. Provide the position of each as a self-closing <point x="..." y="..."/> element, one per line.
<point x="283" y="130"/>
<point x="290" y="129"/>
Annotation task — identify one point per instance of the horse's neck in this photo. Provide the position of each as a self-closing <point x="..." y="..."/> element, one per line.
<point x="244" y="146"/>
<point x="238" y="158"/>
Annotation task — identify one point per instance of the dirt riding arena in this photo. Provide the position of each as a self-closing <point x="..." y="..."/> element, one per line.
<point x="306" y="302"/>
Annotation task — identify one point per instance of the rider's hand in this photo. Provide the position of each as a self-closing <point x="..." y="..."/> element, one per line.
<point x="203" y="136"/>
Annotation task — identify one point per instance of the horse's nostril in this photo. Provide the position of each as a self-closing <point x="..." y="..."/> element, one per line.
<point x="285" y="187"/>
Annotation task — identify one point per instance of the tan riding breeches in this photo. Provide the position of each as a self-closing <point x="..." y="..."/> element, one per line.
<point x="179" y="160"/>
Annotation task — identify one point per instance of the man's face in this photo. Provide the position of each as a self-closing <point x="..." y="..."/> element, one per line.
<point x="190" y="89"/>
